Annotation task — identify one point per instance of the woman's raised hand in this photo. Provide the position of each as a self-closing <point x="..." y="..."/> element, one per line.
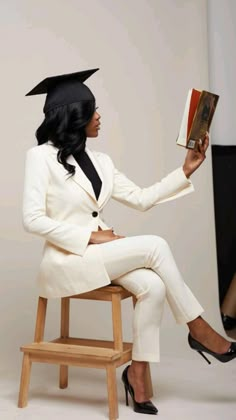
<point x="194" y="158"/>
<point x="103" y="236"/>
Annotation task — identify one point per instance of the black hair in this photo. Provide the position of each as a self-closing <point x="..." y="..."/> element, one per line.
<point x="64" y="126"/>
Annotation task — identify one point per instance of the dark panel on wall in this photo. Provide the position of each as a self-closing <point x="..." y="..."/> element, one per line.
<point x="224" y="183"/>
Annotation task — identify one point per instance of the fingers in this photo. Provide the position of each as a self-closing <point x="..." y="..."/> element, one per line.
<point x="114" y="235"/>
<point x="203" y="144"/>
<point x="109" y="230"/>
<point x="199" y="148"/>
<point x="119" y="237"/>
<point x="206" y="141"/>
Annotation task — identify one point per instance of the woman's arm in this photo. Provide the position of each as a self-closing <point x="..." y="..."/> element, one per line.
<point x="70" y="237"/>
<point x="174" y="185"/>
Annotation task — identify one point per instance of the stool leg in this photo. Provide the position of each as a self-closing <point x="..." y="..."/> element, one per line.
<point x="40" y="320"/>
<point x="117" y="322"/>
<point x="112" y="392"/>
<point x="63" y="377"/>
<point x="65" y="317"/>
<point x="65" y="322"/>
<point x="24" y="382"/>
<point x="148" y="381"/>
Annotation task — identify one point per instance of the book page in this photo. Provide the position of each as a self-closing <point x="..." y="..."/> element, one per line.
<point x="182" y="137"/>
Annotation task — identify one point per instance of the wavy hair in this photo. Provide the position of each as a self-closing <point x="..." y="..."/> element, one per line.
<point x="64" y="126"/>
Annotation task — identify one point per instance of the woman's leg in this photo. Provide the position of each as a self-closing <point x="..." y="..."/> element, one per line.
<point x="150" y="292"/>
<point x="124" y="255"/>
<point x="150" y="251"/>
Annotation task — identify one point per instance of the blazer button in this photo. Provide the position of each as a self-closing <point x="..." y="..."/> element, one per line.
<point x="94" y="213"/>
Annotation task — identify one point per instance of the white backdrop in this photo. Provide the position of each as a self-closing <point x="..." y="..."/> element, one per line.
<point x="150" y="53"/>
<point x="222" y="68"/>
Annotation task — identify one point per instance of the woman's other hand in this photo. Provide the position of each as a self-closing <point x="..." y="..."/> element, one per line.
<point x="103" y="236"/>
<point x="194" y="158"/>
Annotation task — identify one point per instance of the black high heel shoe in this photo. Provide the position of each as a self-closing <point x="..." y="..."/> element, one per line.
<point x="145" y="407"/>
<point x="225" y="357"/>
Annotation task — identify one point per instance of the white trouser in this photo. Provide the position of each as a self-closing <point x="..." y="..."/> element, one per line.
<point x="145" y="266"/>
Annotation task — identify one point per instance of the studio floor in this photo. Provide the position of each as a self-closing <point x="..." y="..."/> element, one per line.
<point x="184" y="389"/>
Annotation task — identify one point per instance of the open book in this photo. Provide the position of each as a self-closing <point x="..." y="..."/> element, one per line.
<point x="198" y="113"/>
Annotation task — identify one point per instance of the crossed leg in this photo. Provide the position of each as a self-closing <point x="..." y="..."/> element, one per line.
<point x="145" y="265"/>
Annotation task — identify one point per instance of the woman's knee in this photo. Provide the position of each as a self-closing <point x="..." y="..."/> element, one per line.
<point x="158" y="245"/>
<point x="156" y="289"/>
<point x="160" y="242"/>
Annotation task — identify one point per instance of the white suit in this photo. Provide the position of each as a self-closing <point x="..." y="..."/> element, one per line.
<point x="61" y="210"/>
<point x="64" y="210"/>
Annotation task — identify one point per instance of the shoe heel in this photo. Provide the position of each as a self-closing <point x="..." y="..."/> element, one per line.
<point x="126" y="396"/>
<point x="204" y="357"/>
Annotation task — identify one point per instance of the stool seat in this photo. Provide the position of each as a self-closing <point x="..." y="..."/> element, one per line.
<point x="104" y="293"/>
<point x="75" y="351"/>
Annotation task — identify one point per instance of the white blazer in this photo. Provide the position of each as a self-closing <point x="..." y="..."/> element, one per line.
<point x="64" y="211"/>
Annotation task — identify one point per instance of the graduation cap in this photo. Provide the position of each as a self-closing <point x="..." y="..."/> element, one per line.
<point x="64" y="89"/>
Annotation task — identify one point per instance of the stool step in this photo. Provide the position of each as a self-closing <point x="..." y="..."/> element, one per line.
<point x="91" y="342"/>
<point x="71" y="349"/>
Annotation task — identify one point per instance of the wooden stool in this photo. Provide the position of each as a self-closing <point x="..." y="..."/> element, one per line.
<point x="71" y="351"/>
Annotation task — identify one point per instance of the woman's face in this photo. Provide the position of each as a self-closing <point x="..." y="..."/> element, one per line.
<point x="93" y="126"/>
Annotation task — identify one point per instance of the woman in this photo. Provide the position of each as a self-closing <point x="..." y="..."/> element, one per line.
<point x="67" y="185"/>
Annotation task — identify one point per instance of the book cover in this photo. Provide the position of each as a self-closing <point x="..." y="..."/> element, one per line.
<point x="198" y="113"/>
